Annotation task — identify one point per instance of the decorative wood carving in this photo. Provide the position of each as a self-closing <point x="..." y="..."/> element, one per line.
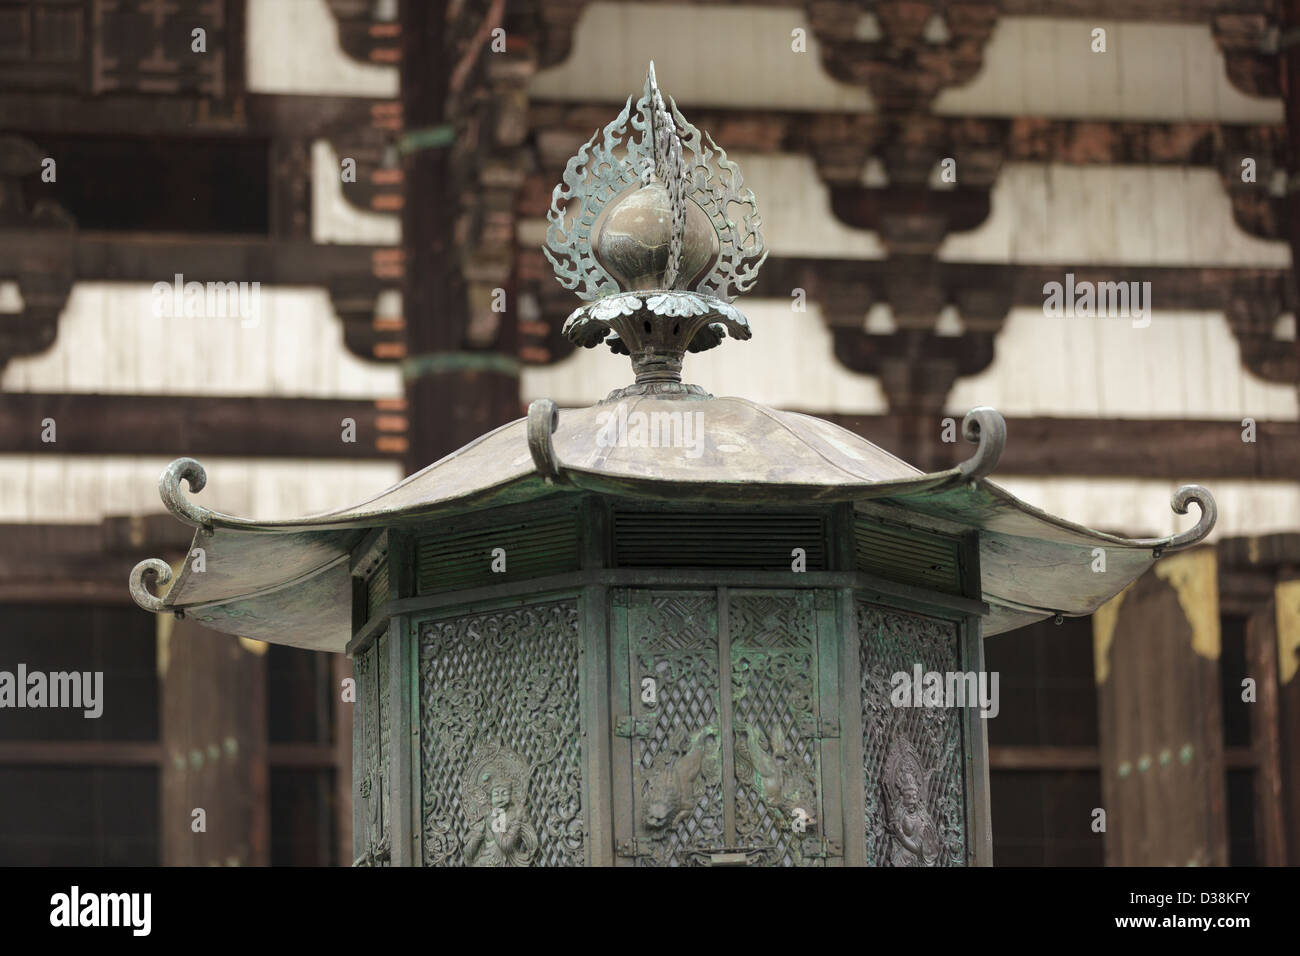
<point x="774" y="703"/>
<point x="125" y="46"/>
<point x="915" y="802"/>
<point x="494" y="794"/>
<point x="1249" y="50"/>
<point x="903" y="69"/>
<point x="677" y="764"/>
<point x="501" y="741"/>
<point x="44" y="280"/>
<point x="364" y="37"/>
<point x="371" y="669"/>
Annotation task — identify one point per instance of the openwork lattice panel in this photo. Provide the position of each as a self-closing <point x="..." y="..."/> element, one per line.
<point x="371" y="672"/>
<point x="774" y="707"/>
<point x="383" y="672"/>
<point x="678" y="773"/>
<point x="501" y="760"/>
<point x="915" y="791"/>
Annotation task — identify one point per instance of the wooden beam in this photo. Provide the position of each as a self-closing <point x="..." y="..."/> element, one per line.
<point x="982" y="290"/>
<point x="840" y="142"/>
<point x="178" y="425"/>
<point x="1099" y="447"/>
<point x="1157" y="11"/>
<point x="269" y="115"/>
<point x="131" y="257"/>
<point x="1044" y="758"/>
<point x="1172" y="287"/>
<point x="1032" y="757"/>
<point x="310" y="428"/>
<point x="302" y="756"/>
<point x="86" y="753"/>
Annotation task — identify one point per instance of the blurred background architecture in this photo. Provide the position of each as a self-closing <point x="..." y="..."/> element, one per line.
<point x="382" y="169"/>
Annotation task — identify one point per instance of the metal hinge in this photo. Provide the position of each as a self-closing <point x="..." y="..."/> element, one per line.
<point x="628" y="726"/>
<point x="827" y="728"/>
<point x="829" y="848"/>
<point x="631" y="849"/>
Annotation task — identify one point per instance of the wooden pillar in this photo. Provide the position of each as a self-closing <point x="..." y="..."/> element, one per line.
<point x="1262" y="665"/>
<point x="342" y="670"/>
<point x="1156" y="651"/>
<point x="214" y="744"/>
<point x="1287" y="601"/>
<point x="456" y="389"/>
<point x="1289" y="69"/>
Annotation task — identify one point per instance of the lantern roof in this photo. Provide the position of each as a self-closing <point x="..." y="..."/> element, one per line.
<point x="646" y="231"/>
<point x="289" y="582"/>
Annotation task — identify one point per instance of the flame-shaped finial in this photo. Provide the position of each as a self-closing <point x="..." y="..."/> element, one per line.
<point x="645" y="232"/>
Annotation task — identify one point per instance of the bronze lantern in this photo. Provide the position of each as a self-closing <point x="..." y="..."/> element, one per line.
<point x="666" y="629"/>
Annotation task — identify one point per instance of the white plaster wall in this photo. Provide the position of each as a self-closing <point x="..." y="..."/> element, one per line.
<point x="1044" y="66"/>
<point x="1183" y="365"/>
<point x="704" y="55"/>
<point x="1122" y="215"/>
<point x="333" y="218"/>
<point x="293" y="47"/>
<point x="1140" y="508"/>
<point x="110" y="341"/>
<point x="788" y="363"/>
<point x="87" y="488"/>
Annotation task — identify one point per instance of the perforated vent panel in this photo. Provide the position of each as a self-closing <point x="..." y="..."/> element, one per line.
<point x="377" y="590"/>
<point x="908" y="557"/>
<point x="534" y="547"/>
<point x="680" y="540"/>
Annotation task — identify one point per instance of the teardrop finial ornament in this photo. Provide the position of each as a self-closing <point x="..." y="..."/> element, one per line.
<point x="641" y="228"/>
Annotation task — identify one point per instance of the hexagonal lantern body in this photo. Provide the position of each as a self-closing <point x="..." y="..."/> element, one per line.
<point x="669" y="682"/>
<point x="669" y="629"/>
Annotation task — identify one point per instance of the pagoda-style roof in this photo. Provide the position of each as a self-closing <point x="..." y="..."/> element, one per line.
<point x="658" y="235"/>
<point x="288" y="581"/>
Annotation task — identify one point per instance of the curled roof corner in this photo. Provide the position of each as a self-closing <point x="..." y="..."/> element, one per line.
<point x="1029" y="558"/>
<point x="658" y="235"/>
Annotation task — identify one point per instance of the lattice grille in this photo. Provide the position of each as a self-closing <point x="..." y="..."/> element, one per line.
<point x="774" y="693"/>
<point x="374" y="840"/>
<point x="503" y="682"/>
<point x="889" y="643"/>
<point x="382" y="669"/>
<point x="674" y="639"/>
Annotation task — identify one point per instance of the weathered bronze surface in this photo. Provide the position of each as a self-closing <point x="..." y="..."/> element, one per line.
<point x="634" y="241"/>
<point x="659" y="631"/>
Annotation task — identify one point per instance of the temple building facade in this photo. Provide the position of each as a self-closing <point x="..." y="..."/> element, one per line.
<point x="301" y="240"/>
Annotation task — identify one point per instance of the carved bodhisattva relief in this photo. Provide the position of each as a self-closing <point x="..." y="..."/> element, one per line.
<point x="501" y="741"/>
<point x="906" y="790"/>
<point x="493" y="796"/>
<point x="372" y="786"/>
<point x="912" y="756"/>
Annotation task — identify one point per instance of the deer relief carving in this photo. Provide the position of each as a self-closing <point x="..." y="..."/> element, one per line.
<point x="782" y="782"/>
<point x="679" y="776"/>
